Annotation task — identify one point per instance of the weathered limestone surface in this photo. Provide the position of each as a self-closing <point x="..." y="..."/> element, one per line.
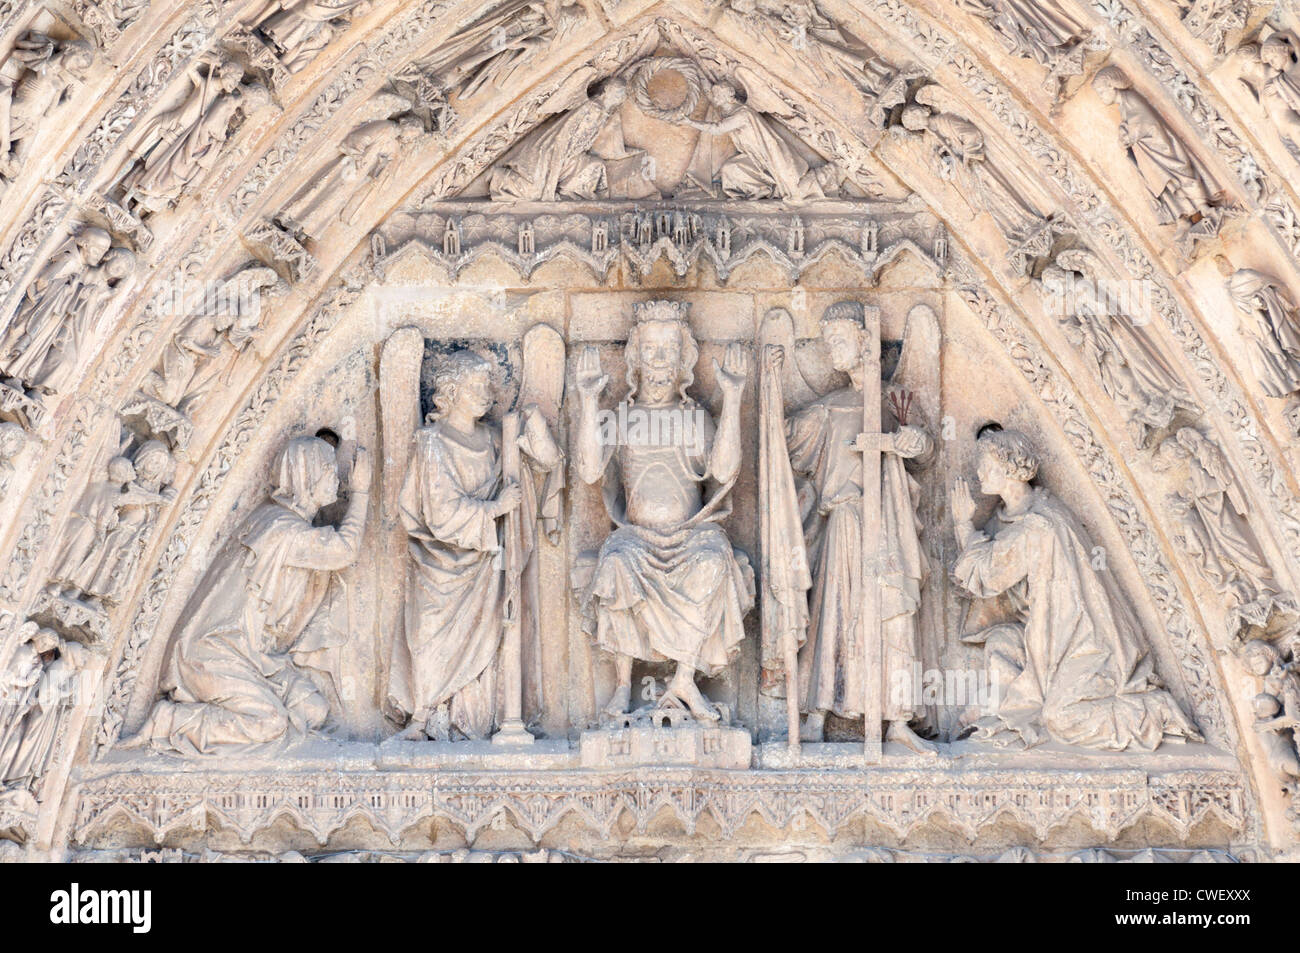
<point x="631" y="430"/>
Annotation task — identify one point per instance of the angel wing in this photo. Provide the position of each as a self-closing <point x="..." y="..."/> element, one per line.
<point x="760" y="96"/>
<point x="571" y="94"/>
<point x="399" y="401"/>
<point x="778" y="329"/>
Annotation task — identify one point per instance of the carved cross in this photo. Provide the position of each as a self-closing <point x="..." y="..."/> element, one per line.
<point x="869" y="445"/>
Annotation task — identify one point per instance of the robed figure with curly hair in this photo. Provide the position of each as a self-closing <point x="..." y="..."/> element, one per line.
<point x="1064" y="650"/>
<point x="443" y="672"/>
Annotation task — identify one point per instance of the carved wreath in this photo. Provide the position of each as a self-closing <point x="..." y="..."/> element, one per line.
<point x="645" y="71"/>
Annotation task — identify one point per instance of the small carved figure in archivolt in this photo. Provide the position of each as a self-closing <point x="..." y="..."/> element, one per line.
<point x="28" y="744"/>
<point x="1061" y="642"/>
<point x="300" y="29"/>
<point x="1181" y="189"/>
<point x="1271" y="72"/>
<point x="1214" y="532"/>
<point x="35" y="81"/>
<point x="1270" y="324"/>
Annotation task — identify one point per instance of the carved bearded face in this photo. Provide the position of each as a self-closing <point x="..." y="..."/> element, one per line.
<point x="844" y="341"/>
<point x="660" y="358"/>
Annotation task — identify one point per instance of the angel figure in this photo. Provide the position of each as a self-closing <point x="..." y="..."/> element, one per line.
<point x="831" y="49"/>
<point x="487" y="52"/>
<point x="763" y="163"/>
<point x="814" y="527"/>
<point x="556" y="162"/>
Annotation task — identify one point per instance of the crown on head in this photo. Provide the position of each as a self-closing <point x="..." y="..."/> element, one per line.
<point x="661" y="311"/>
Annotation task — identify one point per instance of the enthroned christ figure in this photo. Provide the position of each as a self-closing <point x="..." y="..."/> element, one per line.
<point x="667" y="584"/>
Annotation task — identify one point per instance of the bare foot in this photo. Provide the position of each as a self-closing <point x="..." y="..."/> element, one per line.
<point x="689" y="694"/>
<point x="412" y="732"/>
<point x="902" y="733"/>
<point x="620" y="701"/>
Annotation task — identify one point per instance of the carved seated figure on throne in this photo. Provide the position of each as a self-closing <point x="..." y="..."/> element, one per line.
<point x="667" y="585"/>
<point x="1063" y="647"/>
<point x="232" y="678"/>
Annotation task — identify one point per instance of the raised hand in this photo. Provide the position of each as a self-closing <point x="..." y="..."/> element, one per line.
<point x="961" y="501"/>
<point x="733" y="371"/>
<point x="359" y="478"/>
<point x="590" y="379"/>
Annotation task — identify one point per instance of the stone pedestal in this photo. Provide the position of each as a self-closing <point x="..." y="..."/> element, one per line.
<point x="701" y="746"/>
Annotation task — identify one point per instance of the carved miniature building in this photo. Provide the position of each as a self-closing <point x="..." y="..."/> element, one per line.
<point x="629" y="430"/>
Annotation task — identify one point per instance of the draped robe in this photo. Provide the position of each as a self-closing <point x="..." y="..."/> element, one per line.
<point x="231" y="678"/>
<point x="667" y="585"/>
<point x="831" y="672"/>
<point x="454" y="599"/>
<point x="1065" y="647"/>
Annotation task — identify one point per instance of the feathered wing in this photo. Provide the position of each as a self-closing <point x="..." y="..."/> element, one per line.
<point x="542" y="384"/>
<point x="399" y="402"/>
<point x="785" y="571"/>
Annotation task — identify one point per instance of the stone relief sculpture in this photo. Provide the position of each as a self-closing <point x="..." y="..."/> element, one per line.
<point x="1271" y="72"/>
<point x="835" y="536"/>
<point x="985" y="184"/>
<point x="35" y="82"/>
<point x="1214" y="21"/>
<point x="227" y="323"/>
<point x="1060" y="640"/>
<point x="240" y="672"/>
<point x="234" y="675"/>
<point x="1270" y="325"/>
<point x="60" y="314"/>
<point x="487" y="53"/>
<point x="365" y="165"/>
<point x="1053" y="33"/>
<point x="764" y="164"/>
<point x="1181" y="189"/>
<point x="183" y="137"/>
<point x="43" y="676"/>
<point x="447" y="673"/>
<point x="556" y="162"/>
<point x="298" y="30"/>
<point x="1277" y="711"/>
<point x="827" y="47"/>
<point x="667" y="586"/>
<point x="1211" y="511"/>
<point x="1110" y="334"/>
<point x="12" y="441"/>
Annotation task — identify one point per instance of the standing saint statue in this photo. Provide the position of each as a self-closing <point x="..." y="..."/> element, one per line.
<point x="667" y="585"/>
<point x="444" y="672"/>
<point x="820" y="442"/>
<point x="1180" y="188"/>
<point x="1061" y="644"/>
<point x="1270" y="323"/>
<point x="230" y="679"/>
